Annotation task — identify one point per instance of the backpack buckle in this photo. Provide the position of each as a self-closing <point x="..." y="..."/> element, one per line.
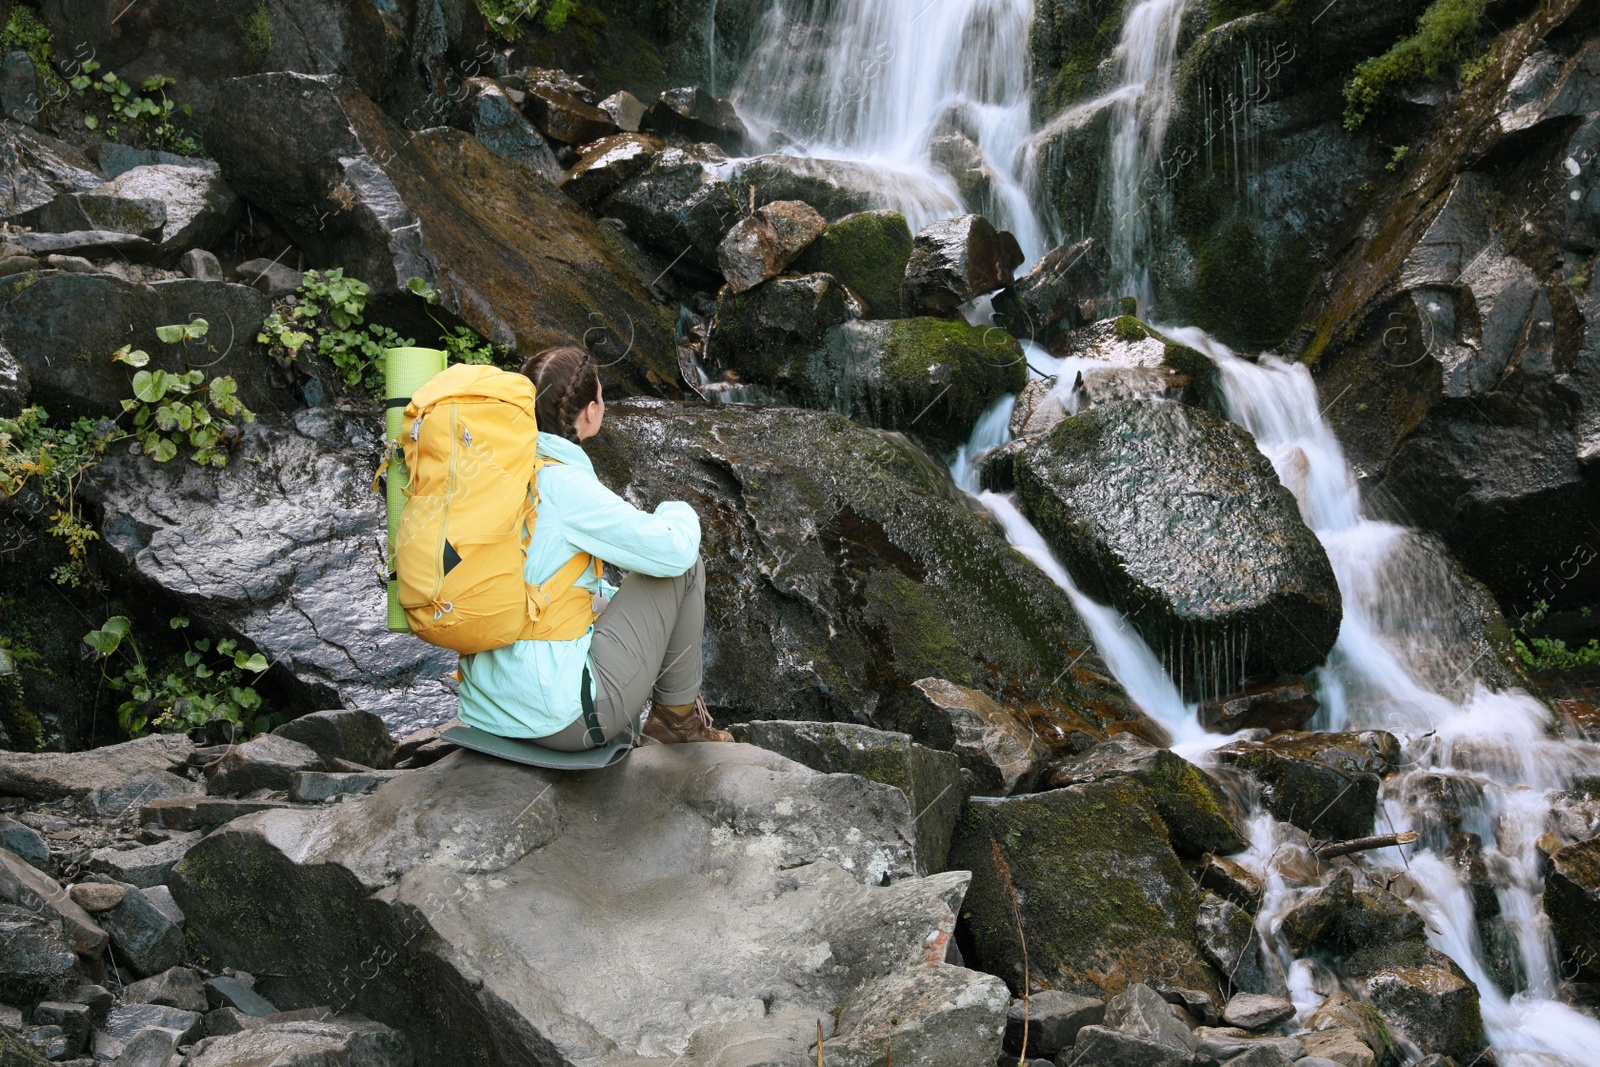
<point x="442" y="610"/>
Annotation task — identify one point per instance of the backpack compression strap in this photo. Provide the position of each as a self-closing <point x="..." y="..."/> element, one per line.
<point x="557" y="610"/>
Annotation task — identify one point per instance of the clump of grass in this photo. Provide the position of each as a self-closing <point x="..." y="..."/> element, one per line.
<point x="1444" y="30"/>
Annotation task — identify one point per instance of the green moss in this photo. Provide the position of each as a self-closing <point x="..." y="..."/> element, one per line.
<point x="255" y="33"/>
<point x="24" y="30"/>
<point x="867" y="252"/>
<point x="1087" y="33"/>
<point x="1221" y="11"/>
<point x="1248" y="292"/>
<point x="1130" y="329"/>
<point x="1444" y="31"/>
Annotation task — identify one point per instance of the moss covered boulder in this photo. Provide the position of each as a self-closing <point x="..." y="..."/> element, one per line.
<point x="1175" y="517"/>
<point x="866" y="251"/>
<point x="1104" y="899"/>
<point x="843" y="566"/>
<point x="1326" y="784"/>
<point x="1199" y="816"/>
<point x="1572" y="901"/>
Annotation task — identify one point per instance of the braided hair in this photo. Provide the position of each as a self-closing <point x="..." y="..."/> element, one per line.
<point x="566" y="382"/>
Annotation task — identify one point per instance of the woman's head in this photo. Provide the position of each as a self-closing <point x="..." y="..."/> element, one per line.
<point x="568" y="391"/>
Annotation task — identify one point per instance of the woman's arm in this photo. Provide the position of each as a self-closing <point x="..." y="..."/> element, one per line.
<point x="598" y="521"/>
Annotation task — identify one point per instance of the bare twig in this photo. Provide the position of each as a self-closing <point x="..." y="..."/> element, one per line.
<point x="1330" y="849"/>
<point x="1016" y="911"/>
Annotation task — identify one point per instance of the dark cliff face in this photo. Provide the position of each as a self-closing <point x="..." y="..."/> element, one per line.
<point x="1433" y="263"/>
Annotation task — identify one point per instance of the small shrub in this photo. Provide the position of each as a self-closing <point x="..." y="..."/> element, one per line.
<point x="172" y="410"/>
<point x="186" y="691"/>
<point x="255" y="33"/>
<point x="1399" y="157"/>
<point x="1443" y="30"/>
<point x="327" y="313"/>
<point x="52" y="461"/>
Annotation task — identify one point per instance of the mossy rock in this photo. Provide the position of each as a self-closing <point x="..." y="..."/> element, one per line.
<point x="866" y="251"/>
<point x="15" y="1052"/>
<point x="1324" y="801"/>
<point x="1105" y="901"/>
<point x="1572" y="901"/>
<point x="1199" y="816"/>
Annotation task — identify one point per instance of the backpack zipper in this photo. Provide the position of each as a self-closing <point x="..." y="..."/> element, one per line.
<point x="452" y="483"/>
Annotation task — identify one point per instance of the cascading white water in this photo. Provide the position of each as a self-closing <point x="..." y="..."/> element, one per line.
<point x="1145" y="56"/>
<point x="876" y="81"/>
<point x="1385" y="673"/>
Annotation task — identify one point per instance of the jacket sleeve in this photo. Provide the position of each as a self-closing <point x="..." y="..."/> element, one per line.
<point x="663" y="544"/>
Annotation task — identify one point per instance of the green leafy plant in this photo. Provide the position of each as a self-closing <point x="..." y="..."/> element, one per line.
<point x="512" y="19"/>
<point x="327" y="312"/>
<point x="171" y="410"/>
<point x="1443" y="31"/>
<point x="1552" y="653"/>
<point x="255" y="32"/>
<point x="1399" y="157"/>
<point x="462" y="343"/>
<point x="24" y="30"/>
<point x="193" y="689"/>
<point x="152" y="116"/>
<point x="52" y="461"/>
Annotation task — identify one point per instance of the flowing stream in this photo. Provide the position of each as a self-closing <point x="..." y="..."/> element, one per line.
<point x="878" y="82"/>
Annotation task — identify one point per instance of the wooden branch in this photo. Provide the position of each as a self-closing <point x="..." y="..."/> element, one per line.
<point x="1330" y="849"/>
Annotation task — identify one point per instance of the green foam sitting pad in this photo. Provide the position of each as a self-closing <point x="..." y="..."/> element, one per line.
<point x="519" y="750"/>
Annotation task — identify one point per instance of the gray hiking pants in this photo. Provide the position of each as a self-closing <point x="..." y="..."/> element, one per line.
<point x="646" y="645"/>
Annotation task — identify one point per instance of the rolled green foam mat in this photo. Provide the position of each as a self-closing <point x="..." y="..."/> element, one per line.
<point x="405" y="370"/>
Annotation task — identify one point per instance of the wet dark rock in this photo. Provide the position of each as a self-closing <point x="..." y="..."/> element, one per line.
<point x="97" y="998"/>
<point x="141" y="216"/>
<point x="266" y="762"/>
<point x="1231" y="881"/>
<point x="1200" y="817"/>
<point x="1572" y="901"/>
<point x="1104" y="899"/>
<point x="994" y="743"/>
<point x="1256" y="1011"/>
<point x="1228" y="939"/>
<point x="197" y="207"/>
<point x="930" y="779"/>
<point x="696" y="115"/>
<point x="1054" y="1019"/>
<point x="274" y="549"/>
<point x="1055" y="291"/>
<point x="25" y="886"/>
<point x="126" y="1022"/>
<point x="761" y="245"/>
<point x="146" y="866"/>
<point x="834" y="187"/>
<point x="868" y="252"/>
<point x="35" y="168"/>
<point x="826" y="844"/>
<point x="1501" y="955"/>
<point x="1274" y="706"/>
<point x="230" y="992"/>
<point x="73" y="1020"/>
<point x="492" y="118"/>
<point x="1217" y="570"/>
<point x="36" y="959"/>
<point x="310" y="1043"/>
<point x="563" y="117"/>
<point x="955" y="260"/>
<point x="1326" y="784"/>
<point x="606" y="164"/>
<point x="60" y="318"/>
<point x="176" y="987"/>
<point x="20" y="99"/>
<point x="345" y="734"/>
<point x="25" y="842"/>
<point x="763" y="334"/>
<point x="1194" y="1005"/>
<point x="142" y="935"/>
<point x="350" y="186"/>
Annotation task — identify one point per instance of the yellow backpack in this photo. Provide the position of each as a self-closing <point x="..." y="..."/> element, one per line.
<point x="468" y="438"/>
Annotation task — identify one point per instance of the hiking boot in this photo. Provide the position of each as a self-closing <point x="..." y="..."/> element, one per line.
<point x="679" y="727"/>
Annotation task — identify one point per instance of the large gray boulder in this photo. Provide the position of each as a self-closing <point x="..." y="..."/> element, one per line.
<point x="35" y="168"/>
<point x="198" y="206"/>
<point x="1173" y="516"/>
<point x="328" y="1042"/>
<point x="276" y="548"/>
<point x="109" y="779"/>
<point x="510" y="256"/>
<point x="690" y="901"/>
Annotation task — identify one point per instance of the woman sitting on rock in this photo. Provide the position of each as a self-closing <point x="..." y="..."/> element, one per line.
<point x="584" y="693"/>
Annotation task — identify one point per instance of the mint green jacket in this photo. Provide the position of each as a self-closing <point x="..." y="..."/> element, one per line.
<point x="532" y="688"/>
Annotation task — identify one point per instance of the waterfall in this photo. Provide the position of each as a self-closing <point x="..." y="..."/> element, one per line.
<point x="1385" y="673"/>
<point x="916" y="91"/>
<point x="1145" y="58"/>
